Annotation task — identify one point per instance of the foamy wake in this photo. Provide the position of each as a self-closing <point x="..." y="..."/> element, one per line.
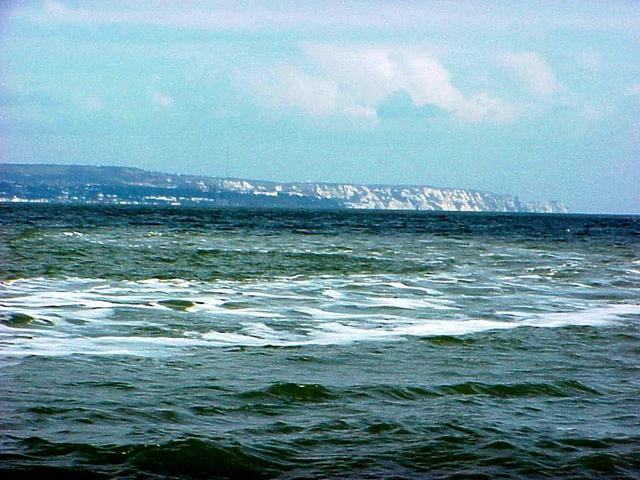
<point x="97" y="317"/>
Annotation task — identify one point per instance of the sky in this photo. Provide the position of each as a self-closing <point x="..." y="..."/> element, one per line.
<point x="537" y="99"/>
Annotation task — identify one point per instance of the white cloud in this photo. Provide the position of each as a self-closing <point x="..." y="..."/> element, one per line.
<point x="633" y="89"/>
<point x="480" y="106"/>
<point x="590" y="60"/>
<point x="160" y="99"/>
<point x="289" y="86"/>
<point x="370" y="73"/>
<point x="533" y="71"/>
<point x="339" y="14"/>
<point x="360" y="111"/>
<point x="56" y="8"/>
<point x="154" y="14"/>
<point x="354" y="79"/>
<point x="93" y="103"/>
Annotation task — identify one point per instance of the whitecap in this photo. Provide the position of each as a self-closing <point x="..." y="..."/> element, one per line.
<point x="332" y="293"/>
<point x="400" y="285"/>
<point x="597" y="316"/>
<point x="407" y="303"/>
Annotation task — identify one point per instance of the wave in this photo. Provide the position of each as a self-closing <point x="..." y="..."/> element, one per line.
<point x="187" y="458"/>
<point x="563" y="388"/>
<point x="43" y="316"/>
<point x="291" y="392"/>
<point x="568" y="388"/>
<point x="366" y="449"/>
<point x="35" y="341"/>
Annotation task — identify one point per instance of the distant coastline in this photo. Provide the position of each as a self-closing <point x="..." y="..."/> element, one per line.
<point x="84" y="184"/>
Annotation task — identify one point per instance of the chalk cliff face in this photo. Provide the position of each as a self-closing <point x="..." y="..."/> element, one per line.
<point x="388" y="197"/>
<point x="122" y="185"/>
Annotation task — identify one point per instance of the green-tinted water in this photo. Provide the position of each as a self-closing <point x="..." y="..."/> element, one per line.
<point x="185" y="343"/>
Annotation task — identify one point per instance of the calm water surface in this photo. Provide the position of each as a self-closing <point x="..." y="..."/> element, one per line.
<point x="194" y="343"/>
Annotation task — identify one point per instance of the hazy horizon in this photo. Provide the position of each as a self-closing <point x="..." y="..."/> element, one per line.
<point x="540" y="100"/>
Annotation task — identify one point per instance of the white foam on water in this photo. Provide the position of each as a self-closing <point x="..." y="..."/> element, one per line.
<point x="135" y="341"/>
<point x="91" y="299"/>
<point x="57" y="299"/>
<point x="203" y="303"/>
<point x="253" y="334"/>
<point x="269" y="319"/>
<point x="38" y="315"/>
<point x="512" y="313"/>
<point x="27" y="332"/>
<point x="325" y="315"/>
<point x="403" y="286"/>
<point x="22" y="342"/>
<point x="443" y="278"/>
<point x="581" y="285"/>
<point x="92" y="314"/>
<point x="335" y="333"/>
<point x="275" y="296"/>
<point x="253" y="312"/>
<point x="332" y="293"/>
<point x="71" y="345"/>
<point x="407" y="303"/>
<point x="594" y="317"/>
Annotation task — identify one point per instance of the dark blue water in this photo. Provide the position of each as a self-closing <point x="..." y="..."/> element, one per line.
<point x="195" y="343"/>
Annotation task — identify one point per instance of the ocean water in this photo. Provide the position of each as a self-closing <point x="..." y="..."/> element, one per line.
<point x="196" y="343"/>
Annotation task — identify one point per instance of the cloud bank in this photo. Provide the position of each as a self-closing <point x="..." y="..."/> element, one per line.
<point x="356" y="79"/>
<point x="533" y="72"/>
<point x="340" y="14"/>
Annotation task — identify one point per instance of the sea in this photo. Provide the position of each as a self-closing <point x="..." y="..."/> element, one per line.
<point x="173" y="342"/>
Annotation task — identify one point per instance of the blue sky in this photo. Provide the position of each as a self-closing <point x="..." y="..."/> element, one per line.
<point x="538" y="99"/>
